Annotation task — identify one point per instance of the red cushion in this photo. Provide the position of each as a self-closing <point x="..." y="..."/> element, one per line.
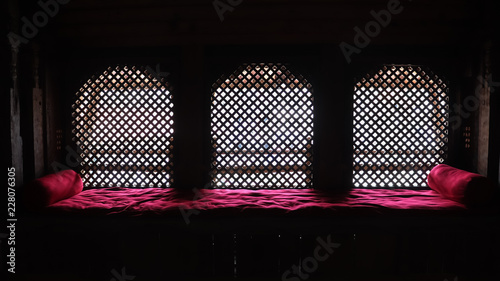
<point x="460" y="186"/>
<point x="169" y="202"/>
<point x="52" y="188"/>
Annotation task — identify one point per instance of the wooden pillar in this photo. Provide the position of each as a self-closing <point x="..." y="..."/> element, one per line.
<point x="333" y="125"/>
<point x="494" y="89"/>
<point x="189" y="162"/>
<point x="38" y="128"/>
<point x="15" y="109"/>
<point x="483" y="129"/>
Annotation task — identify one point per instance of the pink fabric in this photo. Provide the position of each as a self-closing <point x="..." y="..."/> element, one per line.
<point x="52" y="188"/>
<point x="164" y="202"/>
<point x="460" y="186"/>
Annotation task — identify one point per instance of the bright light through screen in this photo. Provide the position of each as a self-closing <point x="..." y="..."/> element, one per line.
<point x="123" y="122"/>
<point x="400" y="128"/>
<point x="262" y="137"/>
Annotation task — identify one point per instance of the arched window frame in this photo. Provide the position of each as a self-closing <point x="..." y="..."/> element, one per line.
<point x="249" y="164"/>
<point x="398" y="154"/>
<point x="123" y="128"/>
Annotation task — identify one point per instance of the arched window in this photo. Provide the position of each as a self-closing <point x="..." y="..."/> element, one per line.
<point x="262" y="129"/>
<point x="122" y="125"/>
<point x="400" y="126"/>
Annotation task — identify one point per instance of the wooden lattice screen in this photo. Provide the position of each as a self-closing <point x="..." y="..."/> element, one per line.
<point x="122" y="125"/>
<point x="400" y="126"/>
<point x="262" y="129"/>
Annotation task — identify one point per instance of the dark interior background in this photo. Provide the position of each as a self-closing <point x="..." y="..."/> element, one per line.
<point x="457" y="39"/>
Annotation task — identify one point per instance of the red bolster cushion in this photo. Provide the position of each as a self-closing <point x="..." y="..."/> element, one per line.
<point x="460" y="186"/>
<point x="53" y="188"/>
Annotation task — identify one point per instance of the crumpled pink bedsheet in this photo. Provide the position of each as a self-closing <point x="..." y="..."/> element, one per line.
<point x="224" y="202"/>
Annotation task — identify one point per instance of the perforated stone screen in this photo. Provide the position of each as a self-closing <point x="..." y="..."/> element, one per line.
<point x="400" y="126"/>
<point x="262" y="129"/>
<point x="122" y="125"/>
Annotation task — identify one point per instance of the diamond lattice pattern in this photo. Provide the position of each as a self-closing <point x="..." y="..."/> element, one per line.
<point x="400" y="127"/>
<point x="122" y="122"/>
<point x="262" y="129"/>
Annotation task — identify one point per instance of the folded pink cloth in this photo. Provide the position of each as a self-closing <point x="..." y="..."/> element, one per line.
<point x="52" y="188"/>
<point x="460" y="186"/>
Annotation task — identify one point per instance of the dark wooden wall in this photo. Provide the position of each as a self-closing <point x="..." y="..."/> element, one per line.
<point x="188" y="39"/>
<point x="152" y="23"/>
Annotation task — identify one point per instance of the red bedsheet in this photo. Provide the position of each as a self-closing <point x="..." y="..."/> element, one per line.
<point x="170" y="202"/>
